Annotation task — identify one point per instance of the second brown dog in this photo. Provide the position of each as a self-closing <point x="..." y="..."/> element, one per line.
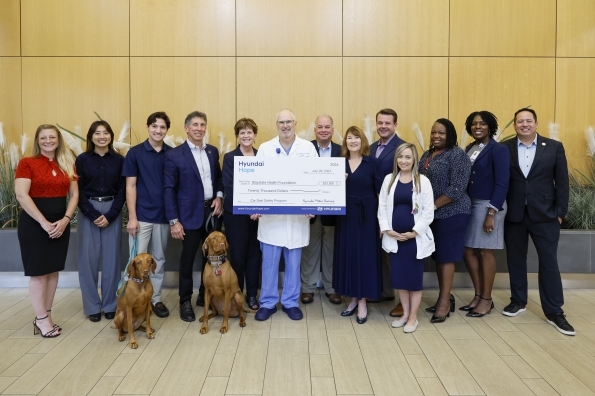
<point x="222" y="291"/>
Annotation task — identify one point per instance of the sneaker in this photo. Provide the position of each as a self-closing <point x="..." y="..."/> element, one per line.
<point x="559" y="321"/>
<point x="513" y="309"/>
<point x="160" y="310"/>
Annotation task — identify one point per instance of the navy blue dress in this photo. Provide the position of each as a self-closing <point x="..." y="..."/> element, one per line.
<point x="356" y="259"/>
<point x="407" y="272"/>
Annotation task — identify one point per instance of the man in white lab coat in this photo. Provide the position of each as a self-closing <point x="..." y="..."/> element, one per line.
<point x="285" y="234"/>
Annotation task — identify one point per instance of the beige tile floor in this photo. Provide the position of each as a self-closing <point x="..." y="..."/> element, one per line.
<point x="324" y="354"/>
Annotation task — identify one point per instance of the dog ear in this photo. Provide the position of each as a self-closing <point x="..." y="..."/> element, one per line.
<point x="226" y="244"/>
<point x="130" y="267"/>
<point x="205" y="246"/>
<point x="154" y="265"/>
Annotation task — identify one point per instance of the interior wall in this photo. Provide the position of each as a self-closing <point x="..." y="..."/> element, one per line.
<point x="63" y="60"/>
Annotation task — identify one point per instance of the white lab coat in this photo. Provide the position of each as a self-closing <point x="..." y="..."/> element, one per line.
<point x="290" y="231"/>
<point x="423" y="216"/>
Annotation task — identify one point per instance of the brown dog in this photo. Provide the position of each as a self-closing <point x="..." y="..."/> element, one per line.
<point x="221" y="284"/>
<point x="134" y="307"/>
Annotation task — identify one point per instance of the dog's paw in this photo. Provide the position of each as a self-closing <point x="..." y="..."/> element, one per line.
<point x="150" y="335"/>
<point x="200" y="319"/>
<point x="204" y="330"/>
<point x="121" y="338"/>
<point x="223" y="329"/>
<point x="242" y="323"/>
<point x="133" y="345"/>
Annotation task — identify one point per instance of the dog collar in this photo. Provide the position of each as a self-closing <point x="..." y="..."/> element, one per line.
<point x="216" y="260"/>
<point x="137" y="280"/>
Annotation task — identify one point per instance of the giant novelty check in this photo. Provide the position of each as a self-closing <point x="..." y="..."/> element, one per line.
<point x="270" y="185"/>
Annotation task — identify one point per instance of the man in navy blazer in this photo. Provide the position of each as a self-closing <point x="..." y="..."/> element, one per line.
<point x="193" y="192"/>
<point x="384" y="150"/>
<point x="319" y="252"/>
<point x="537" y="202"/>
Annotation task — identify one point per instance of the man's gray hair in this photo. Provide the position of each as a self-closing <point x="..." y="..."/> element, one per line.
<point x="292" y="115"/>
<point x="195" y="114"/>
<point x="324" y="115"/>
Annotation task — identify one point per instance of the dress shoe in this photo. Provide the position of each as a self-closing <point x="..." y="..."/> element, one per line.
<point x="559" y="321"/>
<point x="253" y="303"/>
<point x="362" y="320"/>
<point x="294" y="313"/>
<point x="95" y="317"/>
<point x="186" y="312"/>
<point x="439" y="319"/>
<point x="109" y="315"/>
<point x="160" y="310"/>
<point x="264" y="313"/>
<point x="307" y="298"/>
<point x="399" y="323"/>
<point x="381" y="299"/>
<point x="513" y="309"/>
<point x="451" y="299"/>
<point x="397" y="311"/>
<point x="474" y="314"/>
<point x="200" y="300"/>
<point x="411" y="329"/>
<point x="468" y="307"/>
<point x="333" y="298"/>
<point x="348" y="312"/>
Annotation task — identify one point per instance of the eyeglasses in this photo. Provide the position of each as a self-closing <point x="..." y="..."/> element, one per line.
<point x="288" y="122"/>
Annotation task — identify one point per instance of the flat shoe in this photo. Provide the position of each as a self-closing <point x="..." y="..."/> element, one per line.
<point x="264" y="313"/>
<point x="399" y="323"/>
<point x="410" y="329"/>
<point x="333" y="298"/>
<point x="95" y="317"/>
<point x="294" y="313"/>
<point x="307" y="298"/>
<point x="349" y="313"/>
<point x="109" y="315"/>
<point x="253" y="303"/>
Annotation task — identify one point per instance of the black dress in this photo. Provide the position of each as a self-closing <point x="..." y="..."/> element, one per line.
<point x="356" y="259"/>
<point x="407" y="272"/>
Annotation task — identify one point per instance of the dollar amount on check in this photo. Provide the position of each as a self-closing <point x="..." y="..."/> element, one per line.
<point x="289" y="185"/>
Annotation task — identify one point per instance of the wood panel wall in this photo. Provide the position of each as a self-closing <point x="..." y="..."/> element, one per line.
<point x="61" y="60"/>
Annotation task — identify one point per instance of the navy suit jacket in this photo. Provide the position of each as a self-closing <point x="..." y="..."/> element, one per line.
<point x="184" y="193"/>
<point x="545" y="189"/>
<point x="228" y="177"/>
<point x="387" y="156"/>
<point x="490" y="174"/>
<point x="327" y="220"/>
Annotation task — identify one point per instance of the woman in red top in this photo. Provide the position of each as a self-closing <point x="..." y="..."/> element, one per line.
<point x="41" y="185"/>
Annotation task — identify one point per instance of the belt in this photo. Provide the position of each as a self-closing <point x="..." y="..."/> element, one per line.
<point x="207" y="203"/>
<point x="102" y="199"/>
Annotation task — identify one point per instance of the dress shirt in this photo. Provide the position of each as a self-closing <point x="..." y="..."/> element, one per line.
<point x="324" y="152"/>
<point x="381" y="146"/>
<point x="526" y="155"/>
<point x="204" y="168"/>
<point x="101" y="176"/>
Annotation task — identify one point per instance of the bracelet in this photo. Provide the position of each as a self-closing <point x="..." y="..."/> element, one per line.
<point x="491" y="214"/>
<point x="68" y="217"/>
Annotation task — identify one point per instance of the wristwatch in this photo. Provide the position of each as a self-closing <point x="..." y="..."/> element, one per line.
<point x="173" y="222"/>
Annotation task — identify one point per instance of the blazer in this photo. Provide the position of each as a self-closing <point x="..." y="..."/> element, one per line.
<point x="387" y="157"/>
<point x="545" y="189"/>
<point x="183" y="190"/>
<point x="228" y="177"/>
<point x="423" y="215"/>
<point x="327" y="220"/>
<point x="490" y="174"/>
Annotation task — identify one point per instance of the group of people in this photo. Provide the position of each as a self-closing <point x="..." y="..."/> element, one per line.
<point x="451" y="203"/>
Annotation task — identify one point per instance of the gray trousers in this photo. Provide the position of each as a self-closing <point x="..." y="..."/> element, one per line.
<point x="152" y="239"/>
<point x="318" y="253"/>
<point x="99" y="247"/>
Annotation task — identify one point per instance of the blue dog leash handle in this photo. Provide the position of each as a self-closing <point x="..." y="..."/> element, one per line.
<point x="124" y="280"/>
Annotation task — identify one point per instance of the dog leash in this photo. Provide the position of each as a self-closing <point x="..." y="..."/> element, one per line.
<point x="124" y="280"/>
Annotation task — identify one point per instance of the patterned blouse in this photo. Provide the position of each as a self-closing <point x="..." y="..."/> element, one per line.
<point x="47" y="179"/>
<point x="449" y="174"/>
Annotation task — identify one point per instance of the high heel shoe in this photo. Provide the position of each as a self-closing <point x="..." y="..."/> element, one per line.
<point x="348" y="312"/>
<point x="439" y="319"/>
<point x="468" y="307"/>
<point x="50" y="334"/>
<point x="57" y="327"/>
<point x="473" y="314"/>
<point x="452" y="305"/>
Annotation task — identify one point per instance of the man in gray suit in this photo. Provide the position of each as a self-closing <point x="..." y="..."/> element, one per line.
<point x="319" y="252"/>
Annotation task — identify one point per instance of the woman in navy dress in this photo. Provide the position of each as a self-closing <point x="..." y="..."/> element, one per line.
<point x="448" y="168"/>
<point x="487" y="188"/>
<point x="240" y="230"/>
<point x="405" y="212"/>
<point x="356" y="260"/>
